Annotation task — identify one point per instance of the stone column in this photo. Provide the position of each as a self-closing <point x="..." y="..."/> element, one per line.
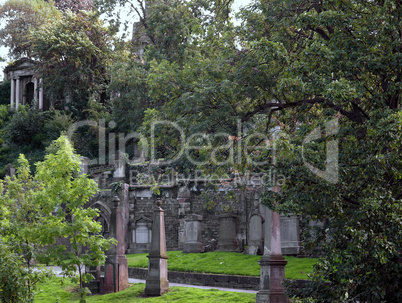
<point x="17" y="93"/>
<point x="35" y="96"/>
<point x="227" y="232"/>
<point x="272" y="263"/>
<point x="40" y="94"/>
<point x="193" y="242"/>
<point x="157" y="282"/>
<point x="116" y="269"/>
<point x="12" y="95"/>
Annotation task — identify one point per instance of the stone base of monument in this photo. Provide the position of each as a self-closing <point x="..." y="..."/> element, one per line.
<point x="195" y="247"/>
<point x="157" y="282"/>
<point x="116" y="274"/>
<point x="272" y="275"/>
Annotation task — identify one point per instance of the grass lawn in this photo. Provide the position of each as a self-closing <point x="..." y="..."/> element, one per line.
<point x="230" y="263"/>
<point x="51" y="291"/>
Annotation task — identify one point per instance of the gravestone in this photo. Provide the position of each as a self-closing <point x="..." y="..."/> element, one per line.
<point x="192" y="242"/>
<point x="256" y="233"/>
<point x="290" y="235"/>
<point x="141" y="235"/>
<point x="116" y="269"/>
<point x="157" y="282"/>
<point x="227" y="232"/>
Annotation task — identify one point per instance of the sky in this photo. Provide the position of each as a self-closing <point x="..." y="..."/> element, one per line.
<point x="3" y="51"/>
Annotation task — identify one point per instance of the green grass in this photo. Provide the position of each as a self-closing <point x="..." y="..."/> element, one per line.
<point x="52" y="291"/>
<point x="229" y="263"/>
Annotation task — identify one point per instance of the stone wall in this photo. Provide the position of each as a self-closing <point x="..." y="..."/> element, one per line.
<point x="179" y="202"/>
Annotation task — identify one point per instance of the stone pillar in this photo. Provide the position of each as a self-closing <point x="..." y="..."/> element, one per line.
<point x="227" y="232"/>
<point x="12" y="95"/>
<point x="272" y="263"/>
<point x="17" y="92"/>
<point x="116" y="269"/>
<point x="157" y="282"/>
<point x="35" y="94"/>
<point x="193" y="242"/>
<point x="40" y="94"/>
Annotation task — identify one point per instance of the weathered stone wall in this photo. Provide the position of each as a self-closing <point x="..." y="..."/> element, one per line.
<point x="178" y="202"/>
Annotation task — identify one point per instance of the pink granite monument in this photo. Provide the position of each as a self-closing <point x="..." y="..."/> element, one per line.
<point x="272" y="263"/>
<point x="116" y="269"/>
<point x="157" y="282"/>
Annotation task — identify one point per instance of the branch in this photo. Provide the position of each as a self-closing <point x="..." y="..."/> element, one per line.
<point x="280" y="106"/>
<point x="321" y="32"/>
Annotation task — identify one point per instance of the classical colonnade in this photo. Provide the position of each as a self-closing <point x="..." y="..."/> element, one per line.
<point x="16" y="96"/>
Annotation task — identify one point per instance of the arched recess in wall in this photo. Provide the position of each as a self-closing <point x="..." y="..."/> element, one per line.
<point x="104" y="216"/>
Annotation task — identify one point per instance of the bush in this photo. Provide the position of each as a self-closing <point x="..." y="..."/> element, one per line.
<point x="5" y="91"/>
<point x="24" y="125"/>
<point x="13" y="277"/>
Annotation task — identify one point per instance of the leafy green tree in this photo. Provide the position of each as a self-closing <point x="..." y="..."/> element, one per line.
<point x="37" y="210"/>
<point x="74" y="54"/>
<point x="19" y="18"/>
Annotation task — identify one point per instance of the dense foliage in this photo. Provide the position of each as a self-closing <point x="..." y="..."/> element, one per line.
<point x="74" y="54"/>
<point x="37" y="210"/>
<point x="20" y="17"/>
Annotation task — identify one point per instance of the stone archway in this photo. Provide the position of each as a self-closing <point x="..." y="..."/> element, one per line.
<point x="104" y="216"/>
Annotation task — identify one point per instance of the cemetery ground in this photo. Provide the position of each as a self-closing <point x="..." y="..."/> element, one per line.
<point x="229" y="263"/>
<point x="53" y="291"/>
<point x="63" y="290"/>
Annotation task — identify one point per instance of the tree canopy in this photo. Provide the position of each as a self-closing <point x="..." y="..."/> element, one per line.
<point x="19" y="18"/>
<point x="74" y="54"/>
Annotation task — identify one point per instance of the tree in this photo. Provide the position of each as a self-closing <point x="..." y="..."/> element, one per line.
<point x="74" y="54"/>
<point x="74" y="5"/>
<point x="302" y="66"/>
<point x="337" y="60"/>
<point x="37" y="210"/>
<point x="20" y="17"/>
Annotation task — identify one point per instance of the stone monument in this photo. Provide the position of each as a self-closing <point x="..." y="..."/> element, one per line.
<point x="272" y="263"/>
<point x="256" y="232"/>
<point x="116" y="269"/>
<point x="227" y="232"/>
<point x="193" y="242"/>
<point x="157" y="282"/>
